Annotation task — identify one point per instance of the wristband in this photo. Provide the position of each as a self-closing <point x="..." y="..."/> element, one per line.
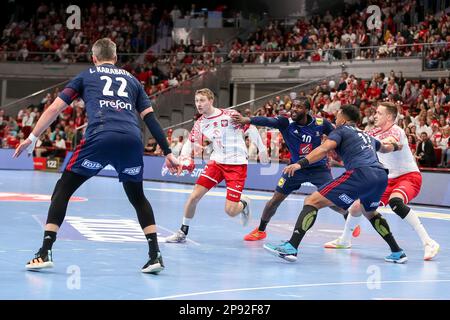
<point x="32" y="137"/>
<point x="303" y="162"/>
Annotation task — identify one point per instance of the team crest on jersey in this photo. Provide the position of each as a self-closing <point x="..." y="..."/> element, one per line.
<point x="91" y="165"/>
<point x="281" y="182"/>
<point x="132" y="171"/>
<point x="346" y="199"/>
<point x="319" y="121"/>
<point x="224" y="123"/>
<point x="305" y="148"/>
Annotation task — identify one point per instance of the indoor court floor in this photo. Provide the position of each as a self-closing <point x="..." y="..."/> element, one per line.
<point x="101" y="248"/>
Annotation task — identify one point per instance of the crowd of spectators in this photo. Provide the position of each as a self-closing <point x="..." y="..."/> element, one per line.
<point x="423" y="104"/>
<point x="59" y="138"/>
<point x="339" y="36"/>
<point x="423" y="107"/>
<point x="135" y="27"/>
<point x="45" y="36"/>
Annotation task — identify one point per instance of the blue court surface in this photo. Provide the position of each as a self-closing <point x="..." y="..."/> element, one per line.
<point x="101" y="248"/>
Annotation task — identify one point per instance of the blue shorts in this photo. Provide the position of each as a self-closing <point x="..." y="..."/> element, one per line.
<point x="123" y="151"/>
<point x="317" y="176"/>
<point x="367" y="184"/>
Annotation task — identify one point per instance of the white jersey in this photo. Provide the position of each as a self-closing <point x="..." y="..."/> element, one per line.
<point x="228" y="142"/>
<point x="399" y="162"/>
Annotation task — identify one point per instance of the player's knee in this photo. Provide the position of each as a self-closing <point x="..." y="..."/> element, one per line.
<point x="57" y="188"/>
<point x="399" y="207"/>
<point x="231" y="208"/>
<point x="229" y="211"/>
<point x="195" y="198"/>
<point x="274" y="203"/>
<point x="355" y="209"/>
<point x="313" y="199"/>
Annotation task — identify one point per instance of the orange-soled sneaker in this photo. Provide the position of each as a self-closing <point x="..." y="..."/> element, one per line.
<point x="255" y="235"/>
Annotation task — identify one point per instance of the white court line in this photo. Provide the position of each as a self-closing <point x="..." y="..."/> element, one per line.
<point x="217" y="194"/>
<point x="420" y="213"/>
<point x="293" y="286"/>
<point x="37" y="220"/>
<point x="159" y="226"/>
<point x="337" y="231"/>
<point x="171" y="231"/>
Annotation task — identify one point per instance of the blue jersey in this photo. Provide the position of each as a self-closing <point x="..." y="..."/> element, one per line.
<point x="300" y="140"/>
<point x="356" y="148"/>
<point x="112" y="97"/>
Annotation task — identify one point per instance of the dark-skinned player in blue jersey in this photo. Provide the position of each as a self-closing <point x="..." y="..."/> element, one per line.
<point x="114" y="99"/>
<point x="302" y="133"/>
<point x="364" y="179"/>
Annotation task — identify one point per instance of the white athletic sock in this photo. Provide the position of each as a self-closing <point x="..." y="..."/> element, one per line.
<point x="350" y="225"/>
<point x="186" y="221"/>
<point x="415" y="222"/>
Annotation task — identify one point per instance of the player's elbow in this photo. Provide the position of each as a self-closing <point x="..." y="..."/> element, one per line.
<point x="57" y="106"/>
<point x="146" y="111"/>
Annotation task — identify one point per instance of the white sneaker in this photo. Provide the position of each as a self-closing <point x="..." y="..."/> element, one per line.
<point x="245" y="214"/>
<point x="338" y="244"/>
<point x="431" y="250"/>
<point x="177" y="237"/>
<point x="154" y="266"/>
<point x="41" y="260"/>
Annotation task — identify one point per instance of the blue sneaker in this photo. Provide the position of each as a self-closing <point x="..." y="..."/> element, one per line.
<point x="284" y="250"/>
<point x="397" y="257"/>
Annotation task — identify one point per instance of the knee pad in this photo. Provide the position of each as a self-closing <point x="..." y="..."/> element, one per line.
<point x="399" y="207"/>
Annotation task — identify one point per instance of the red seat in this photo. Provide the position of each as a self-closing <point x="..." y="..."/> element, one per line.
<point x="26" y="130"/>
<point x="438" y="153"/>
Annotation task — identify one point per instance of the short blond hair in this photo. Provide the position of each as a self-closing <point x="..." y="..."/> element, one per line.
<point x="205" y="92"/>
<point x="104" y="49"/>
<point x="391" y="108"/>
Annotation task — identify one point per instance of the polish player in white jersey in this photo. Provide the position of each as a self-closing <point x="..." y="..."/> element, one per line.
<point x="404" y="182"/>
<point x="227" y="161"/>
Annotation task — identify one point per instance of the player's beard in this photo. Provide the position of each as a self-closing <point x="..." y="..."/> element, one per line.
<point x="296" y="116"/>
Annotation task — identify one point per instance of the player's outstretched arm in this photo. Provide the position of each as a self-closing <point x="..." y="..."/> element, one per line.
<point x="158" y="133"/>
<point x="278" y="122"/>
<point x="43" y="123"/>
<point x="255" y="138"/>
<point x="386" y="147"/>
<point x="240" y="119"/>
<point x="317" y="154"/>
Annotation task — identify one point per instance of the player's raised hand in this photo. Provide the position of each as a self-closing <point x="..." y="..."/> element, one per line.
<point x="27" y="144"/>
<point x="290" y="169"/>
<point x="238" y="118"/>
<point x="172" y="163"/>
